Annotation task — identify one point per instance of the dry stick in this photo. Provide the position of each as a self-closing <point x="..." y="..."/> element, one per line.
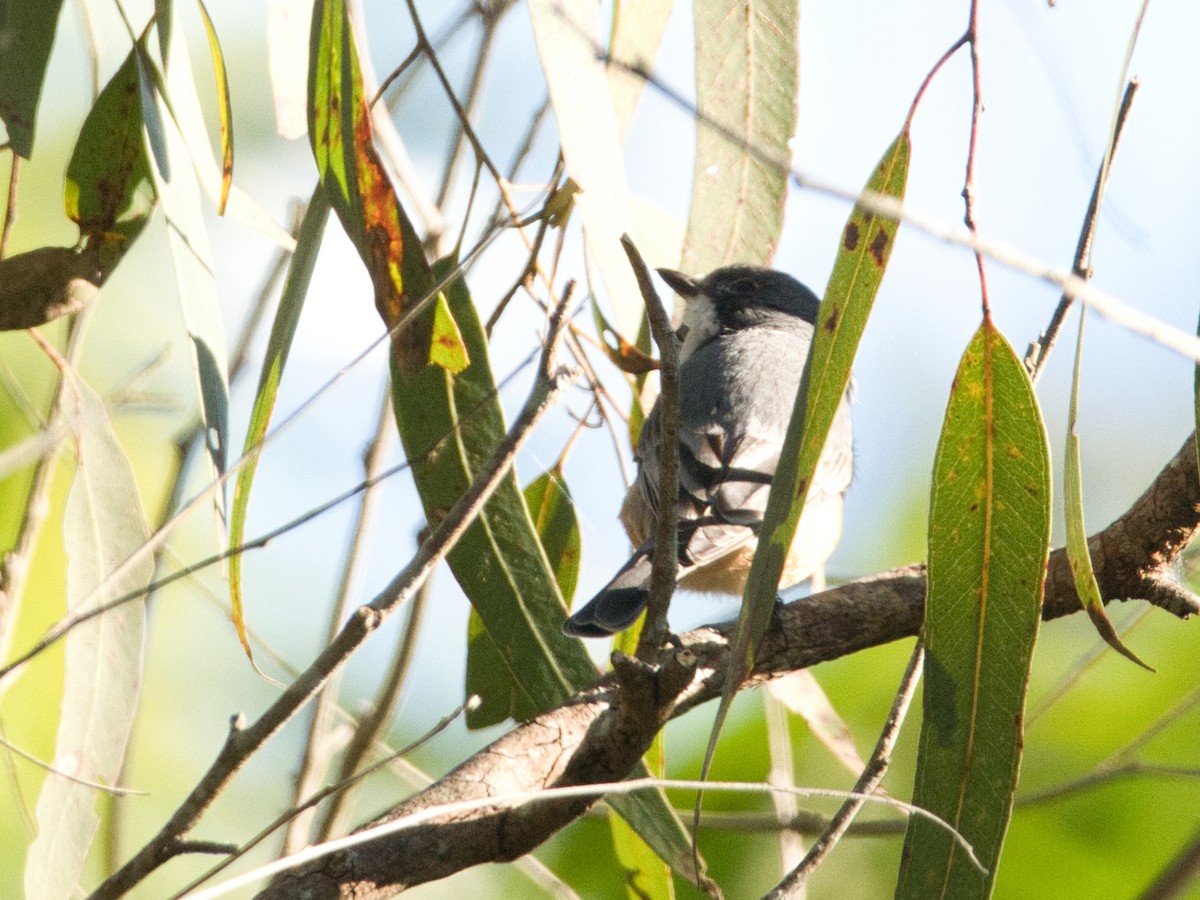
<point x="372" y="725"/>
<point x="317" y="750"/>
<point x="1179" y="874"/>
<point x="969" y="192"/>
<point x="1035" y="356"/>
<point x="244" y="740"/>
<point x="1134" y="558"/>
<point x="486" y="43"/>
<point x="793" y="886"/>
<point x="665" y="562"/>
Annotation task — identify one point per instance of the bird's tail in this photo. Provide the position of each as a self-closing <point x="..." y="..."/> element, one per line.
<point x="618" y="604"/>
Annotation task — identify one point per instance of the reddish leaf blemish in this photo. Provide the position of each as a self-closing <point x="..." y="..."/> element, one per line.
<point x="850" y="238"/>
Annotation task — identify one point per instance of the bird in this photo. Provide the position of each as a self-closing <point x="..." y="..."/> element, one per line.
<point x="743" y="340"/>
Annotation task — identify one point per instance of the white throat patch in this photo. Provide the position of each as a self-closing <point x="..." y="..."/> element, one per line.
<point x="700" y="320"/>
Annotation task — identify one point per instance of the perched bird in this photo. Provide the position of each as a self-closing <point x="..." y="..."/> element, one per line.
<point x="745" y="335"/>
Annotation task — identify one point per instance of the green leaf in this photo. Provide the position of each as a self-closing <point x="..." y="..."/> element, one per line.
<point x="446" y="347"/>
<point x="448" y="425"/>
<point x="553" y="514"/>
<point x="866" y="243"/>
<point x="553" y="511"/>
<point x="103" y="526"/>
<point x="747" y="76"/>
<point x="1078" y="554"/>
<point x="283" y="329"/>
<point x="989" y="539"/>
<point x="26" y="34"/>
<point x="108" y="191"/>
<point x="360" y="191"/>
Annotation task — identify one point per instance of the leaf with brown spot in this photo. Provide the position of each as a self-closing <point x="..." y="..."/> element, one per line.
<point x="849" y="297"/>
<point x="989" y="540"/>
<point x="108" y="190"/>
<point x="360" y="191"/>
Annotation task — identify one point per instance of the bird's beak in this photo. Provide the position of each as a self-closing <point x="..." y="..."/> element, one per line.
<point x="684" y="285"/>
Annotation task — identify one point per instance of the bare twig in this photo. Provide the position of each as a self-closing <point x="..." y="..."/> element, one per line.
<point x="372" y="725"/>
<point x="315" y="758"/>
<point x="793" y="886"/>
<point x="1035" y="356"/>
<point x="1179" y="874"/>
<point x="665" y="562"/>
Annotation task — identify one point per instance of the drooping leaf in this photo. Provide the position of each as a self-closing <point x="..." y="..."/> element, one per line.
<point x="26" y="34"/>
<point x="195" y="278"/>
<point x="224" y="104"/>
<point x="866" y="243"/>
<point x="989" y="539"/>
<point x="283" y="329"/>
<point x="360" y="191"/>
<point x="1078" y="554"/>
<point x="188" y="117"/>
<point x="747" y="77"/>
<point x="567" y="35"/>
<point x="108" y="191"/>
<point x="103" y="526"/>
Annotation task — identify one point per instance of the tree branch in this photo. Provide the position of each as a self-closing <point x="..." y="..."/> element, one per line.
<point x="590" y="740"/>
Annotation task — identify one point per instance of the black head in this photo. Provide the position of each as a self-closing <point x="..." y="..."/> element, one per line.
<point x="738" y="289"/>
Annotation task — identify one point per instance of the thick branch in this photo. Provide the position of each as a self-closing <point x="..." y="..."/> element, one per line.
<point x="590" y="739"/>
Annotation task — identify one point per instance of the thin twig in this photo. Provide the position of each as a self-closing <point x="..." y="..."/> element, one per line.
<point x="315" y="759"/>
<point x="969" y="192"/>
<point x="1181" y="872"/>
<point x="665" y="561"/>
<point x="480" y="60"/>
<point x="314" y="799"/>
<point x="1035" y="356"/>
<point x="372" y="725"/>
<point x="793" y="886"/>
